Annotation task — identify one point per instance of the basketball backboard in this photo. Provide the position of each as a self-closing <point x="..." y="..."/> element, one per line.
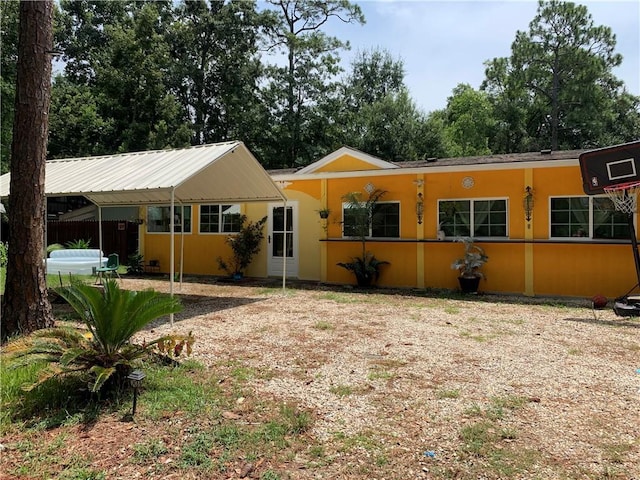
<point x="610" y="166"/>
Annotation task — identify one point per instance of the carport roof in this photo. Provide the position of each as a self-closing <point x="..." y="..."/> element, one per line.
<point x="221" y="172"/>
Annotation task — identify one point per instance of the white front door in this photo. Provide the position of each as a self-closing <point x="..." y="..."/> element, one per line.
<point x="281" y="232"/>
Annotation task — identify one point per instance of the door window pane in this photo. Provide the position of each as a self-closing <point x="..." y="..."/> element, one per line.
<point x="277" y="244"/>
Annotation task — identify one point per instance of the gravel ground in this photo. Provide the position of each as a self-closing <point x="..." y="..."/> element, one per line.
<point x="558" y="381"/>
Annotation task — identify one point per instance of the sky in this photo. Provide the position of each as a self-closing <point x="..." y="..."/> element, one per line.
<point x="445" y="43"/>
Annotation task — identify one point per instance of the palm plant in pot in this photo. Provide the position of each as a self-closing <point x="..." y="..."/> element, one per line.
<point x="469" y="265"/>
<point x="360" y="214"/>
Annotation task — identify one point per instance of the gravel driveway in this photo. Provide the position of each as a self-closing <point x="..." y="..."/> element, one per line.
<point x="458" y="387"/>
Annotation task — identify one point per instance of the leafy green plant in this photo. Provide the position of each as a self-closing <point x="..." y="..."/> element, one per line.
<point x="362" y="215"/>
<point x="473" y="259"/>
<point x="53" y="247"/>
<point x="104" y="351"/>
<point x="135" y="264"/>
<point x="79" y="243"/>
<point x="3" y="254"/>
<point x="366" y="269"/>
<point x="244" y="246"/>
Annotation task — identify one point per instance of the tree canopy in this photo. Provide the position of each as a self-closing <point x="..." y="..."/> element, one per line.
<point x="558" y="85"/>
<point x="148" y="74"/>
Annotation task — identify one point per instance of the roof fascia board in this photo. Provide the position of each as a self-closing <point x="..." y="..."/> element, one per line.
<point x="365" y="157"/>
<point x="426" y="170"/>
<point x="107" y="192"/>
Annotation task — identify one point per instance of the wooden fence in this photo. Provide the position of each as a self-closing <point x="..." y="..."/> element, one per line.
<point x="119" y="237"/>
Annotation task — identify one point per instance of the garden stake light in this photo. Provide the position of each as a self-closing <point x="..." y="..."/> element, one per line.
<point x="135" y="377"/>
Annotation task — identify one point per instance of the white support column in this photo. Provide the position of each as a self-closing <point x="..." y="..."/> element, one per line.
<point x="100" y="252"/>
<point x="172" y="247"/>
<point x="284" y="247"/>
<point x="182" y="242"/>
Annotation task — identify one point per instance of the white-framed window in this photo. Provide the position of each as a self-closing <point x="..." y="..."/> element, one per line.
<point x="586" y="217"/>
<point x="158" y="218"/>
<point x="220" y="218"/>
<point x="384" y="221"/>
<point x="473" y="218"/>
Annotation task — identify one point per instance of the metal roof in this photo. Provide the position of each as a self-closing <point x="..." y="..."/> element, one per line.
<point x="543" y="155"/>
<point x="220" y="172"/>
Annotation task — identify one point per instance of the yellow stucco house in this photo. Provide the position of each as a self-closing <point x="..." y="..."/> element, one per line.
<point x="542" y="234"/>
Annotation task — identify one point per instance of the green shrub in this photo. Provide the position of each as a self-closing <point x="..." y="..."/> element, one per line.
<point x="79" y="243"/>
<point x="244" y="245"/>
<point x="3" y="254"/>
<point x="135" y="264"/>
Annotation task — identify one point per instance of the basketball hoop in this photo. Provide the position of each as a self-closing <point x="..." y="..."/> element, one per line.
<point x="623" y="196"/>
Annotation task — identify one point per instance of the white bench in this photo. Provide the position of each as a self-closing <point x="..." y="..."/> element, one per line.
<point x="77" y="261"/>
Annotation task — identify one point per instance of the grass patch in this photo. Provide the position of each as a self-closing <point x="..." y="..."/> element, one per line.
<point x="242" y="373"/>
<point x="478" y="438"/>
<point x="187" y="388"/>
<point x="270" y="291"/>
<point x="477" y="337"/>
<point x="448" y="393"/>
<point x="364" y="440"/>
<point x="149" y="450"/>
<point x="188" y="397"/>
<point x="380" y="374"/>
<point x="616" y="452"/>
<point x="58" y="402"/>
<point x="339" y="297"/>
<point x="323" y="325"/>
<point x="451" y="309"/>
<point x="342" y="390"/>
<point x="483" y="441"/>
<point x="212" y="449"/>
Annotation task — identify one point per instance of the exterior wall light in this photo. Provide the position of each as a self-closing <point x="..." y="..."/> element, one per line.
<point x="527" y="203"/>
<point x="420" y="208"/>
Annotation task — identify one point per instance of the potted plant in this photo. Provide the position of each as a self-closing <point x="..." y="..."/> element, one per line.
<point x="244" y="245"/>
<point x="361" y="213"/>
<point x="469" y="265"/>
<point x="324" y="213"/>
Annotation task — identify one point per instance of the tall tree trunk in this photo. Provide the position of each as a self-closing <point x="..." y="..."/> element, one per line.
<point x="26" y="305"/>
<point x="555" y="104"/>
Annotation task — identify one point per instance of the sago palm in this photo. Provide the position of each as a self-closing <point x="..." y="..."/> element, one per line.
<point x="105" y="351"/>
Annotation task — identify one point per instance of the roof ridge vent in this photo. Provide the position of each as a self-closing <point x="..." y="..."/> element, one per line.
<point x="545" y="152"/>
<point x="432" y="159"/>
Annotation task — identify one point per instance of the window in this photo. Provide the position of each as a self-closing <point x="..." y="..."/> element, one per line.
<point x="590" y="217"/>
<point x="473" y="218"/>
<point x="384" y="221"/>
<point x="158" y="219"/>
<point x="220" y="218"/>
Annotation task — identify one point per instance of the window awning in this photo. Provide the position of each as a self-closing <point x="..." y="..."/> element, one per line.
<point x="221" y="172"/>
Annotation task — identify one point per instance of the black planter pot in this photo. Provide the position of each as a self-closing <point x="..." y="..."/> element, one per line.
<point x="469" y="284"/>
<point x="364" y="280"/>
